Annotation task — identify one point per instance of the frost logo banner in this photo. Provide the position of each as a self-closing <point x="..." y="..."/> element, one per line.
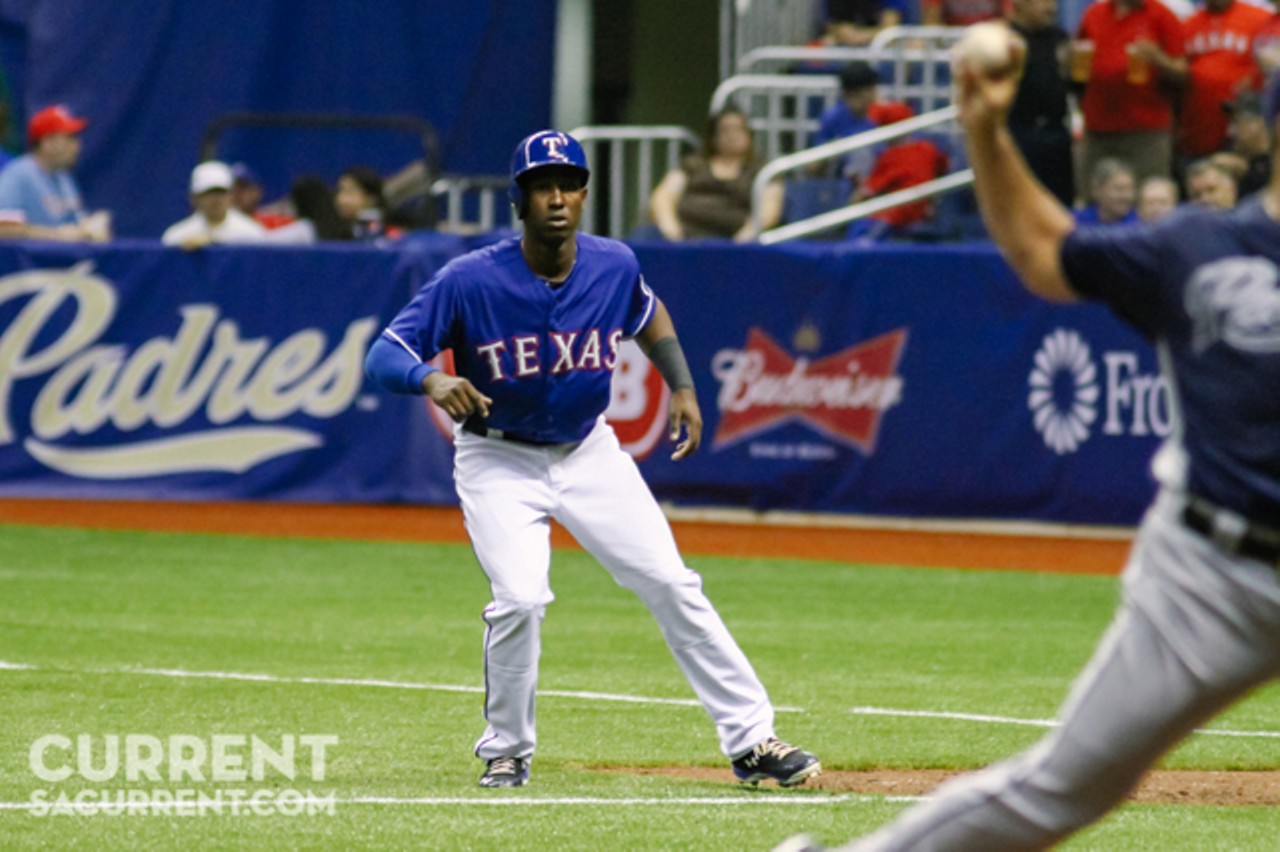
<point x="1064" y="391"/>
<point x="1067" y="394"/>
<point x="843" y="396"/>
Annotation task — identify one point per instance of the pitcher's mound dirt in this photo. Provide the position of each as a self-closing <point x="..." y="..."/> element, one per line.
<point x="1176" y="787"/>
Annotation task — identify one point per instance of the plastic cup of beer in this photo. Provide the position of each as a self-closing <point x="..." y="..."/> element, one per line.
<point x="1081" y="60"/>
<point x="1139" y="72"/>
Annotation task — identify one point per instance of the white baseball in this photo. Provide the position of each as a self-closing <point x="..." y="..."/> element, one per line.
<point x="988" y="48"/>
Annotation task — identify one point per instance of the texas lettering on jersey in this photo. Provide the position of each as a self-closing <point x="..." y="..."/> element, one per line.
<point x="520" y="357"/>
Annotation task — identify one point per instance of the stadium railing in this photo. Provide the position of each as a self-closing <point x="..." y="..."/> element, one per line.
<point x="783" y="110"/>
<point x="471" y="203"/>
<point x="915" y="62"/>
<point x="784" y="93"/>
<point x="748" y="24"/>
<point x="775" y="169"/>
<point x="635" y="157"/>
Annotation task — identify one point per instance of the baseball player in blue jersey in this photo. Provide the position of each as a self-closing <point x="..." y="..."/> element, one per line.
<point x="1199" y="623"/>
<point x="534" y="323"/>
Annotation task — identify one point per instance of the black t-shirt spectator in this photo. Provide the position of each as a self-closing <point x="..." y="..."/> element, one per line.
<point x="1042" y="94"/>
<point x="864" y="13"/>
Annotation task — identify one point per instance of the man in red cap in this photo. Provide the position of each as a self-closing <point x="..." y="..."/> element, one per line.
<point x="38" y="194"/>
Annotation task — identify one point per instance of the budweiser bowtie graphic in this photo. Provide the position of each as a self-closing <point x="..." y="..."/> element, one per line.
<point x="842" y="396"/>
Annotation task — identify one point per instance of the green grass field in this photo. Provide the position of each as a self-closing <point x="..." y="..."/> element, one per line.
<point x="107" y="623"/>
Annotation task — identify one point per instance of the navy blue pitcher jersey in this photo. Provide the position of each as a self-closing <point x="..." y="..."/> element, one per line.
<point x="1204" y="285"/>
<point x="544" y="354"/>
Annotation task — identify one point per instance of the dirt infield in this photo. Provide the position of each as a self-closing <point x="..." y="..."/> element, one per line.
<point x="1160" y="787"/>
<point x="892" y="547"/>
<point x="416" y="523"/>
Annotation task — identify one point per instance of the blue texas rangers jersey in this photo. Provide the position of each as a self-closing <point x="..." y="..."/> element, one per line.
<point x="1206" y="286"/>
<point x="544" y="354"/>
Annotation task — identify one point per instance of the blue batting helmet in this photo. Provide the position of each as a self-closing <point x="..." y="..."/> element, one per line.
<point x="544" y="148"/>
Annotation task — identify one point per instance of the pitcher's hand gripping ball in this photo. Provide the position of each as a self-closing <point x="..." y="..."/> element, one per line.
<point x="989" y="49"/>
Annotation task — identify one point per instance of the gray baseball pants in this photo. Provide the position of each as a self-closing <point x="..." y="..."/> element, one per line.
<point x="1197" y="629"/>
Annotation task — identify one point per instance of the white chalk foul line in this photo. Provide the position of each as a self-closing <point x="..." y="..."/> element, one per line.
<point x="588" y="696"/>
<point x="89" y="807"/>
<point x="1035" y="723"/>
<point x="384" y="684"/>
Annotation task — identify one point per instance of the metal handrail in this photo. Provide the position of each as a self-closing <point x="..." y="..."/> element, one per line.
<point x="912" y="32"/>
<point x="830" y="219"/>
<point x="774" y="87"/>
<point x="746" y="24"/>
<point x="628" y="202"/>
<point x="454" y="190"/>
<point x="889" y="44"/>
<point x="830" y="150"/>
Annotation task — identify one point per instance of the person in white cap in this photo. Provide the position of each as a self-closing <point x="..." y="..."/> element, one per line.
<point x="214" y="219"/>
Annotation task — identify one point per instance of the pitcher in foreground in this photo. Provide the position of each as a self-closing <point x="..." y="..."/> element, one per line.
<point x="1199" y="623"/>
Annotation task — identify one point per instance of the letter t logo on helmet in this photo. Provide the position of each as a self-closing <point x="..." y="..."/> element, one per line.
<point x="544" y="148"/>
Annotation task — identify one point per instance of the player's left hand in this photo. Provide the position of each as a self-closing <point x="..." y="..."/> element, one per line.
<point x="684" y="413"/>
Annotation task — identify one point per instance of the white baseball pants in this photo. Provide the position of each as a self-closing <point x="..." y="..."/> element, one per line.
<point x="509" y="492"/>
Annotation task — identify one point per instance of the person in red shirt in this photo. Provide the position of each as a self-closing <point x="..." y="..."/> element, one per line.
<point x="1137" y="65"/>
<point x="1220" y="62"/>
<point x="901" y="165"/>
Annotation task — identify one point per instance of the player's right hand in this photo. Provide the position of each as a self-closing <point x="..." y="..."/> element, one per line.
<point x="456" y="395"/>
<point x="984" y="100"/>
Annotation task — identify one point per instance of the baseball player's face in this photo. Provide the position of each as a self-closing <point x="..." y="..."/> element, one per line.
<point x="555" y="197"/>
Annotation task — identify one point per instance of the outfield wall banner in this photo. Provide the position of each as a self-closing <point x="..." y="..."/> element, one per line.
<point x="905" y="381"/>
<point x="900" y="381"/>
<point x="142" y="372"/>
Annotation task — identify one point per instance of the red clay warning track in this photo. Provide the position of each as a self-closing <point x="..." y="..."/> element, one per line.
<point x="444" y="524"/>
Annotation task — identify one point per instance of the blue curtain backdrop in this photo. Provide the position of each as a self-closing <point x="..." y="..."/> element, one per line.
<point x="152" y="74"/>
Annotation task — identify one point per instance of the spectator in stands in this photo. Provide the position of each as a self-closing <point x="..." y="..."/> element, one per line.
<point x="1210" y="182"/>
<point x="361" y="203"/>
<point x="214" y="220"/>
<point x="854" y="23"/>
<point x="709" y="195"/>
<point x="848" y="117"/>
<point x="1157" y="197"/>
<point x="246" y="189"/>
<point x="246" y="196"/>
<point x="1233" y="165"/>
<point x="1250" y="141"/>
<point x="1266" y="43"/>
<point x="316" y="216"/>
<point x="959" y="13"/>
<point x="39" y="197"/>
<point x="1220" y="61"/>
<point x="1137" y="64"/>
<point x="1038" y="120"/>
<point x="1113" y="190"/>
<point x="900" y="166"/>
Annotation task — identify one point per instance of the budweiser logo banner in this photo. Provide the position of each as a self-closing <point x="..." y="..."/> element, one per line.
<point x="841" y="396"/>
